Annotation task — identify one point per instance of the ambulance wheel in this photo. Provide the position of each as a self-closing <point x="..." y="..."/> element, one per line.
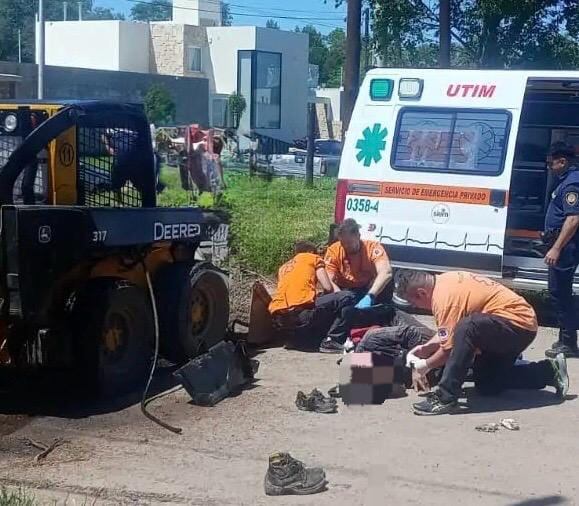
<point x="193" y="308"/>
<point x="114" y="336"/>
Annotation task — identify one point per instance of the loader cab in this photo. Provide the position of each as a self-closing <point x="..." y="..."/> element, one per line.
<point x="448" y="168"/>
<point x="94" y="154"/>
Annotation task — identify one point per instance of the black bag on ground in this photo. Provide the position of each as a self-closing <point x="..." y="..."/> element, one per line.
<point x="215" y="375"/>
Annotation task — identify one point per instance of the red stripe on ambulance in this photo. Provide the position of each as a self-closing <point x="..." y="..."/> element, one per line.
<point x="471" y="90"/>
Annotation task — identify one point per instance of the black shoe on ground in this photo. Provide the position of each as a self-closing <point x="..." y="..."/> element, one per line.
<point x="433" y="405"/>
<point x="316" y="402"/>
<point x="329" y="346"/>
<point x="568" y="351"/>
<point x="288" y="476"/>
<point x="334" y="392"/>
<point x="561" y="379"/>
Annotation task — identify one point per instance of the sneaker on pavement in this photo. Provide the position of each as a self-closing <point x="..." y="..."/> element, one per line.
<point x="316" y="402"/>
<point x="433" y="405"/>
<point x="329" y="346"/>
<point x="288" y="476"/>
<point x="561" y="379"/>
<point x="568" y="351"/>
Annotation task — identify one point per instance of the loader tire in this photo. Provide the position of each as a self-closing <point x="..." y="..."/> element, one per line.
<point x="193" y="316"/>
<point x="114" y="336"/>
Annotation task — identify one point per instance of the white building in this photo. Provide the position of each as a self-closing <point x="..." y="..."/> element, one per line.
<point x="268" y="67"/>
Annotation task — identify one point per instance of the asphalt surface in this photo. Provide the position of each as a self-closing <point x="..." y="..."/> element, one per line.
<point x="372" y="454"/>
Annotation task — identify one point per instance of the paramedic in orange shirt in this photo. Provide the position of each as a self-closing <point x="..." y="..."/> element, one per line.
<point x="302" y="316"/>
<point x="360" y="266"/>
<point x="362" y="269"/>
<point x="480" y="323"/>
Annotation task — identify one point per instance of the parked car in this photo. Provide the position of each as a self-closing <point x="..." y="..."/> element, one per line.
<point x="328" y="151"/>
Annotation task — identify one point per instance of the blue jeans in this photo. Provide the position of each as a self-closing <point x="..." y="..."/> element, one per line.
<point x="561" y="292"/>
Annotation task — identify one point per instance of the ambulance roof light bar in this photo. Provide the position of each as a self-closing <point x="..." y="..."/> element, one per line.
<point x="410" y="88"/>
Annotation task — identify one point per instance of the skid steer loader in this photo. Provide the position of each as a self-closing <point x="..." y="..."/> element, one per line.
<point x="89" y="265"/>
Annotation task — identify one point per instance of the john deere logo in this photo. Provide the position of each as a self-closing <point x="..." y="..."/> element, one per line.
<point x="44" y="234"/>
<point x="66" y="154"/>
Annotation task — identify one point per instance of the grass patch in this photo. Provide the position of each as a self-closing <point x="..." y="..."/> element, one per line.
<point x="17" y="497"/>
<point x="268" y="217"/>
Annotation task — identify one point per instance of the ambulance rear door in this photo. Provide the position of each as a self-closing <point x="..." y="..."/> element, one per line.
<point x="427" y="170"/>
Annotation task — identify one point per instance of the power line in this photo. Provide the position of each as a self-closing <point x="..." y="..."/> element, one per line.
<point x="242" y="14"/>
<point x="271" y="8"/>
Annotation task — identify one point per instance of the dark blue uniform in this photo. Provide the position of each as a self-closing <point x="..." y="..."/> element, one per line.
<point x="564" y="203"/>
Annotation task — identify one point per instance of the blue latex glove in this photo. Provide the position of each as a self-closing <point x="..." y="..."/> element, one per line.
<point x="366" y="302"/>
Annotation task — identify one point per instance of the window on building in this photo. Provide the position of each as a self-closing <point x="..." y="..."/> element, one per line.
<point x="194" y="59"/>
<point x="219" y="113"/>
<point x="259" y="81"/>
<point x="458" y="141"/>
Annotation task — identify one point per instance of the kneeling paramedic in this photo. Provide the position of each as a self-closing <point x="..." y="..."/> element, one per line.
<point x="482" y="321"/>
<point x="298" y="313"/>
<point x="562" y="238"/>
<point x="361" y="268"/>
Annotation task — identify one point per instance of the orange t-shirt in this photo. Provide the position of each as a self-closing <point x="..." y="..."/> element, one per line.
<point x="355" y="271"/>
<point x="297" y="282"/>
<point x="459" y="294"/>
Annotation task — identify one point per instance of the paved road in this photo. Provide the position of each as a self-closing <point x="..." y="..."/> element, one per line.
<point x="373" y="455"/>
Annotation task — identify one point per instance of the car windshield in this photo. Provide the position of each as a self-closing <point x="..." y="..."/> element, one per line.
<point x="328" y="147"/>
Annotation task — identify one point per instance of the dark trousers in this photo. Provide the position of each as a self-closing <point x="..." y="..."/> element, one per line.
<point x="500" y="343"/>
<point x="404" y="332"/>
<point x="561" y="291"/>
<point x="306" y="328"/>
<point x="350" y="317"/>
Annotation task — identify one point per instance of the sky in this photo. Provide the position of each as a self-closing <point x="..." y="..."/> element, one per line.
<point x="256" y="12"/>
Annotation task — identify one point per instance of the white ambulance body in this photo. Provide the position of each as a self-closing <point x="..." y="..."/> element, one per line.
<point x="447" y="167"/>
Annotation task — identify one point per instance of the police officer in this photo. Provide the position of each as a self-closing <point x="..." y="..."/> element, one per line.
<point x="562" y="239"/>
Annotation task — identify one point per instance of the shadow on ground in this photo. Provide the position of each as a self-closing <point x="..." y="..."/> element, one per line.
<point x="511" y="400"/>
<point x="542" y="501"/>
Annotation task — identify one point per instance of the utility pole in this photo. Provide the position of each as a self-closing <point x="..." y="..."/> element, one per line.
<point x="41" y="50"/>
<point x="352" y="77"/>
<point x="80" y="11"/>
<point x="64" y="11"/>
<point x="311" y="143"/>
<point x="366" y="39"/>
<point x="19" y="45"/>
<point x="444" y="34"/>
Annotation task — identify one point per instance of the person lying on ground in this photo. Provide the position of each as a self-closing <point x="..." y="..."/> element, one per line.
<point x="479" y="322"/>
<point x="403" y="333"/>
<point x="301" y="316"/>
<point x="362" y="269"/>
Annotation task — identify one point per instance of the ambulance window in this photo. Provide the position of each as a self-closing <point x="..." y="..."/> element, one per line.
<point x="459" y="141"/>
<point x="532" y="144"/>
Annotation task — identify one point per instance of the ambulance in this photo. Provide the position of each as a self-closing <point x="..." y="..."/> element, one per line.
<point x="447" y="168"/>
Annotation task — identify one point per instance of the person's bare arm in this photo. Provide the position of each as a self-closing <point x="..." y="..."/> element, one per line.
<point x="383" y="277"/>
<point x="569" y="229"/>
<point x="325" y="280"/>
<point x="438" y="359"/>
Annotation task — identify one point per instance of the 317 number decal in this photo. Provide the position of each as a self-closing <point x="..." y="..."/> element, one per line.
<point x="362" y="205"/>
<point x="99" y="236"/>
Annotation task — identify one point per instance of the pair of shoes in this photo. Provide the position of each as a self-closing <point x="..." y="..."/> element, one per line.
<point x="561" y="379"/>
<point x="329" y="346"/>
<point x="288" y="476"/>
<point x="433" y="405"/>
<point x="568" y="351"/>
<point x="316" y="402"/>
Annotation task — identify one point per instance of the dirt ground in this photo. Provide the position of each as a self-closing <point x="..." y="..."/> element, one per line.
<point x="372" y="454"/>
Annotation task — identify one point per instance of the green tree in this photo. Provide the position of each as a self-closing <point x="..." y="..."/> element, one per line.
<point x="318" y="52"/>
<point x="159" y="105"/>
<point x="226" y="16"/>
<point x="336" y="57"/>
<point x="272" y="23"/>
<point x="486" y="33"/>
<point x="160" y="10"/>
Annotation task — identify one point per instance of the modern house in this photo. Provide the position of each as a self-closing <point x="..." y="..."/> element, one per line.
<point x="268" y="67"/>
